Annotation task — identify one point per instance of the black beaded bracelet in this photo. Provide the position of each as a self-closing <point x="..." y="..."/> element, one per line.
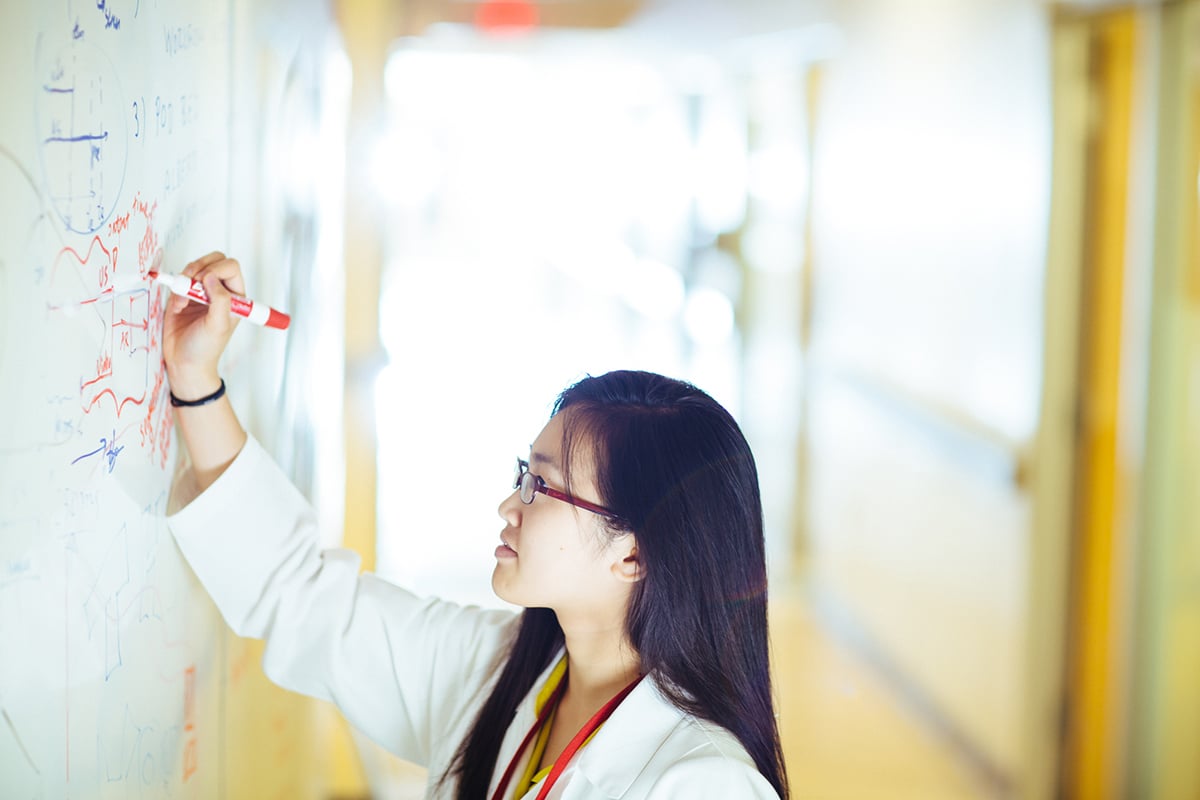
<point x="208" y="398"/>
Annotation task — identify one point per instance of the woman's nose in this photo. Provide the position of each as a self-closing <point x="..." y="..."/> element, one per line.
<point x="510" y="508"/>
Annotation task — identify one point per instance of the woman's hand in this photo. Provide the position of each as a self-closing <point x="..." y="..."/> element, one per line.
<point x="195" y="335"/>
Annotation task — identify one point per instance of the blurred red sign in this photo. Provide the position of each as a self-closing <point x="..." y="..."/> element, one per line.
<point x="506" y="15"/>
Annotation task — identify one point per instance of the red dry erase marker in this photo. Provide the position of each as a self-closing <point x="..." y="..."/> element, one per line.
<point x="258" y="313"/>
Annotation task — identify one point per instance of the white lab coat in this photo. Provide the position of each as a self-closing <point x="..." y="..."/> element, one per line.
<point x="410" y="672"/>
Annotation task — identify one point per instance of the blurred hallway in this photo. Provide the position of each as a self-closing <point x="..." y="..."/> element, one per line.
<point x="939" y="260"/>
<point x="847" y="734"/>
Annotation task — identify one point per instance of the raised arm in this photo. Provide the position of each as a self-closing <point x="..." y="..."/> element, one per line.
<point x="194" y="336"/>
<point x="405" y="670"/>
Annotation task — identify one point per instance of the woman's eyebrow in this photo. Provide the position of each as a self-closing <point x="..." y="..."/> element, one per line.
<point x="541" y="458"/>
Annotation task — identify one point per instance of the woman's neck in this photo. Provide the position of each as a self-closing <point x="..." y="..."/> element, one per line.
<point x="600" y="663"/>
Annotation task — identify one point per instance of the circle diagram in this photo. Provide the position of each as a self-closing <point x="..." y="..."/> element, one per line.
<point x="81" y="130"/>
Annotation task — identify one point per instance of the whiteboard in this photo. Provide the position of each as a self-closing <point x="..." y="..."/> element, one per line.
<point x="118" y="143"/>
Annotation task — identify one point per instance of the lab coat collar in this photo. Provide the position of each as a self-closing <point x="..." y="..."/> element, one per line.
<point x="622" y="748"/>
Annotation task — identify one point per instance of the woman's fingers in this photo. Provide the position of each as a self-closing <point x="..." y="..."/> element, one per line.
<point x="200" y="263"/>
<point x="221" y="277"/>
<point x="196" y="334"/>
<point x="219" y="300"/>
<point x="227" y="270"/>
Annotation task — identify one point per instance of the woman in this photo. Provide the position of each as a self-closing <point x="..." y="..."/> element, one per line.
<point x="632" y="538"/>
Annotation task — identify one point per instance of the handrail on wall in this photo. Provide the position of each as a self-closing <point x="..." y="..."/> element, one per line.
<point x="959" y="435"/>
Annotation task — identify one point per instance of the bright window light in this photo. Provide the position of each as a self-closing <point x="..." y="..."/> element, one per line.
<point x="537" y="201"/>
<point x="654" y="289"/>
<point x="708" y="316"/>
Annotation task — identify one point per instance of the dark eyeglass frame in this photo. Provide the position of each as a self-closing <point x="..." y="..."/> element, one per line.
<point x="528" y="485"/>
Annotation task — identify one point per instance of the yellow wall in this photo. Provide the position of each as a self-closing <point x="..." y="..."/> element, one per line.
<point x="270" y="750"/>
<point x="1094" y="679"/>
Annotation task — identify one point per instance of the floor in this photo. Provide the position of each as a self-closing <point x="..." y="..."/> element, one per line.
<point x="845" y="735"/>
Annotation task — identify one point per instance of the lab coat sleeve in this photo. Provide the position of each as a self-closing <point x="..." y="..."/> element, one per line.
<point x="402" y="669"/>
<point x="712" y="777"/>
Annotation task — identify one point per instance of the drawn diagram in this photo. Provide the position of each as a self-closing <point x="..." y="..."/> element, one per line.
<point x="108" y="288"/>
<point x="92" y="592"/>
<point x="103" y="604"/>
<point x="128" y="142"/>
<point x="136" y="751"/>
<point x="82" y="131"/>
<point x="103" y="290"/>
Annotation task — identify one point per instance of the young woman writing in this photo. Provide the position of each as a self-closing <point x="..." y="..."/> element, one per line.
<point x="632" y="538"/>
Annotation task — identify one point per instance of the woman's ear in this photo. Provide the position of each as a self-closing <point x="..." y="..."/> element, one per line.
<point x="627" y="567"/>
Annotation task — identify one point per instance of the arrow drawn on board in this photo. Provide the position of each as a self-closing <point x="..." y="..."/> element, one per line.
<point x="17" y="737"/>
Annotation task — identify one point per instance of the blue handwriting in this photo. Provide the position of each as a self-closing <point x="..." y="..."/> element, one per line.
<point x="108" y="448"/>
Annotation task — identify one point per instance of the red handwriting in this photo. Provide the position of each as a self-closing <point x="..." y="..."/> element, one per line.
<point x="103" y="370"/>
<point x="119" y="405"/>
<point x="119" y="224"/>
<point x="103" y="295"/>
<point x="147" y="247"/>
<point x="141" y="325"/>
<point x="157" y="424"/>
<point x="140" y="206"/>
<point x="102" y="269"/>
<point x="133" y="318"/>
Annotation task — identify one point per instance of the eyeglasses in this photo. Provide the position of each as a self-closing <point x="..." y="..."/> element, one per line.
<point x="531" y="484"/>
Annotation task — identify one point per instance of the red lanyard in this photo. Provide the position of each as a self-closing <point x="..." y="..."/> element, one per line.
<point x="572" y="747"/>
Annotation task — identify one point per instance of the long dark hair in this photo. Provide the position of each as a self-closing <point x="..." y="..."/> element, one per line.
<point x="675" y="467"/>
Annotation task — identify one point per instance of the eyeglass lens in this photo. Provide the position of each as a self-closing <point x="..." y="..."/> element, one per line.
<point x="525" y="481"/>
